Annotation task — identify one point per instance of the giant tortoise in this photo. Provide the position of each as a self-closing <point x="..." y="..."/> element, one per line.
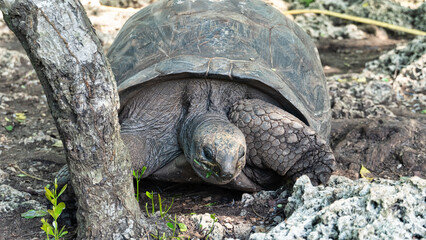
<point x="230" y="92"/>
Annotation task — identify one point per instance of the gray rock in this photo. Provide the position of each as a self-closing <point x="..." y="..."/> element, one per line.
<point x="205" y="223"/>
<point x="242" y="230"/>
<point x="346" y="209"/>
<point x="11" y="199"/>
<point x="247" y="199"/>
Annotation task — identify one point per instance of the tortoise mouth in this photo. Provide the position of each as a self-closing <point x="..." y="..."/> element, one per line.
<point x="210" y="172"/>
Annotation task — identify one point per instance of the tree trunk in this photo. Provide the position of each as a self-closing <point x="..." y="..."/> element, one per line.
<point x="83" y="100"/>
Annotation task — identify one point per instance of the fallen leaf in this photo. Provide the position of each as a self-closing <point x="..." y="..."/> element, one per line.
<point x="20" y="117"/>
<point x="34" y="213"/>
<point x="58" y="144"/>
<point x="362" y="80"/>
<point x="366" y="174"/>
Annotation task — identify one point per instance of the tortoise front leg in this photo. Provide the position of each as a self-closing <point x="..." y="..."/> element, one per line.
<point x="279" y="141"/>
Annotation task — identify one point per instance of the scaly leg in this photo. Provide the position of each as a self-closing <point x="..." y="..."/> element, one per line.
<point x="279" y="141"/>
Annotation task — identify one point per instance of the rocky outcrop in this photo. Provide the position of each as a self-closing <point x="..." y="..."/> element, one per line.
<point x="346" y="209"/>
<point x="396" y="80"/>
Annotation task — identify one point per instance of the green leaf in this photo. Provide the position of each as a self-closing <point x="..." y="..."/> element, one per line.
<point x="58" y="209"/>
<point x="149" y="195"/>
<point x="47" y="228"/>
<point x="9" y="128"/>
<point x="62" y="190"/>
<point x="49" y="194"/>
<point x="213" y="216"/>
<point x="182" y="227"/>
<point x="197" y="162"/>
<point x="143" y="170"/>
<point x="52" y="213"/>
<point x="208" y="174"/>
<point x="279" y="206"/>
<point x="170" y="225"/>
<point x="423" y="111"/>
<point x="210" y="204"/>
<point x="34" y="213"/>
<point x="385" y="79"/>
<point x="135" y="174"/>
<point x="22" y="175"/>
<point x="56" y="185"/>
<point x="62" y="232"/>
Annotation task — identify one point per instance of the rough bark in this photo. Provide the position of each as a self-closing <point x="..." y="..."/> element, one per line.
<point x="82" y="96"/>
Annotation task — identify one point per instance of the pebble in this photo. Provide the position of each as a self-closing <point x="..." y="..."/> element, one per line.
<point x="3" y="176"/>
<point x="228" y="226"/>
<point x="247" y="200"/>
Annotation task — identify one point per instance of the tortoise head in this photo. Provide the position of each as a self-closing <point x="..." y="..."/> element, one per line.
<point x="217" y="151"/>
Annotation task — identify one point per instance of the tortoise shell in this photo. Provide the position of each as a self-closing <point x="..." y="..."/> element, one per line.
<point x="233" y="40"/>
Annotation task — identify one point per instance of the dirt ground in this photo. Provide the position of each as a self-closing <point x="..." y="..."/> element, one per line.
<point x="389" y="147"/>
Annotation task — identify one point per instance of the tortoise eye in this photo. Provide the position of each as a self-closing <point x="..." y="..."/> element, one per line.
<point x="241" y="152"/>
<point x="208" y="153"/>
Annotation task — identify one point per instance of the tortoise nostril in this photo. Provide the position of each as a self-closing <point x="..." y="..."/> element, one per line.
<point x="226" y="176"/>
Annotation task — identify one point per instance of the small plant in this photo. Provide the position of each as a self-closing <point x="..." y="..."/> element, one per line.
<point x="159" y="237"/>
<point x="173" y="224"/>
<point x="212" y="216"/>
<point x="55" y="212"/>
<point x="163" y="214"/>
<point x="138" y="179"/>
<point x="150" y="195"/>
